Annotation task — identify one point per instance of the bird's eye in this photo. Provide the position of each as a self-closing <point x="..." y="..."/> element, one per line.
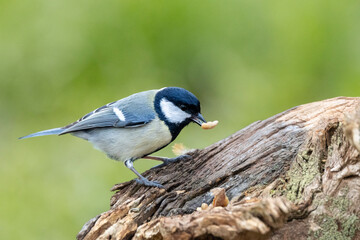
<point x="183" y="107"/>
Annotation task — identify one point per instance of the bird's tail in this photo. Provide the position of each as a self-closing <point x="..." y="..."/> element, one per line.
<point x="54" y="131"/>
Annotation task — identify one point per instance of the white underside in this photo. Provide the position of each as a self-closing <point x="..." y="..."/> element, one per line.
<point x="126" y="143"/>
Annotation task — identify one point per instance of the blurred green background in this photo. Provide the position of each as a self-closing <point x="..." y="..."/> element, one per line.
<point x="245" y="60"/>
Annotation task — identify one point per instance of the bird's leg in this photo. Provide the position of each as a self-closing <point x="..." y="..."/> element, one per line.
<point x="167" y="161"/>
<point x="141" y="180"/>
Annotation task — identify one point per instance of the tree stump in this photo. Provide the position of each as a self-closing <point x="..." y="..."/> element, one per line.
<point x="295" y="175"/>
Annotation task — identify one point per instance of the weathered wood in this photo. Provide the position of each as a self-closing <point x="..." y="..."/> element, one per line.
<point x="295" y="175"/>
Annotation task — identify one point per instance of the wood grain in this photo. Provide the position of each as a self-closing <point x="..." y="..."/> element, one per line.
<point x="296" y="168"/>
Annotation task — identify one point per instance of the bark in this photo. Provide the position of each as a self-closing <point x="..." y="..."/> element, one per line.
<point x="295" y="175"/>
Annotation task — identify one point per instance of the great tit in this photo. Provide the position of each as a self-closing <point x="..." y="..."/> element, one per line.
<point x="136" y="126"/>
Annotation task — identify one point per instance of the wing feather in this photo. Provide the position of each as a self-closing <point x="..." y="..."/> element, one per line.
<point x="135" y="114"/>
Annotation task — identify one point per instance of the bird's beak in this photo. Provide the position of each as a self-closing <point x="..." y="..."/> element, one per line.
<point x="199" y="119"/>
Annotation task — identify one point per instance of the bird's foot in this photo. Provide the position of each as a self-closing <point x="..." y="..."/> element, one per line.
<point x="146" y="182"/>
<point x="167" y="161"/>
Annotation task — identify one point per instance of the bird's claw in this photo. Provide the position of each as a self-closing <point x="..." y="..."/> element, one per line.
<point x="182" y="158"/>
<point x="148" y="183"/>
<point x="167" y="161"/>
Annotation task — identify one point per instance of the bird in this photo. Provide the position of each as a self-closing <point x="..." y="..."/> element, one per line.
<point x="136" y="126"/>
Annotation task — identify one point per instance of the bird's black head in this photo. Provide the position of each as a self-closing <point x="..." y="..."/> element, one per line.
<point x="177" y="107"/>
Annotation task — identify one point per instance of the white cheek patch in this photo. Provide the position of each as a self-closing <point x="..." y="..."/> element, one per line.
<point x="172" y="113"/>
<point x="119" y="114"/>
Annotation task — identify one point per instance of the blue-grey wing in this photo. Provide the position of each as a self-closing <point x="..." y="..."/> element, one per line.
<point x="133" y="111"/>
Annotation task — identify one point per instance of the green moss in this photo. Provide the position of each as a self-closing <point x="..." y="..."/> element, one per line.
<point x="337" y="223"/>
<point x="335" y="229"/>
<point x="302" y="172"/>
<point x="272" y="193"/>
<point x="340" y="203"/>
<point x="350" y="225"/>
<point x="279" y="188"/>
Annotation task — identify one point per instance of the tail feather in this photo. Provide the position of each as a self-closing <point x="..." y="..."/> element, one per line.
<point x="54" y="131"/>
